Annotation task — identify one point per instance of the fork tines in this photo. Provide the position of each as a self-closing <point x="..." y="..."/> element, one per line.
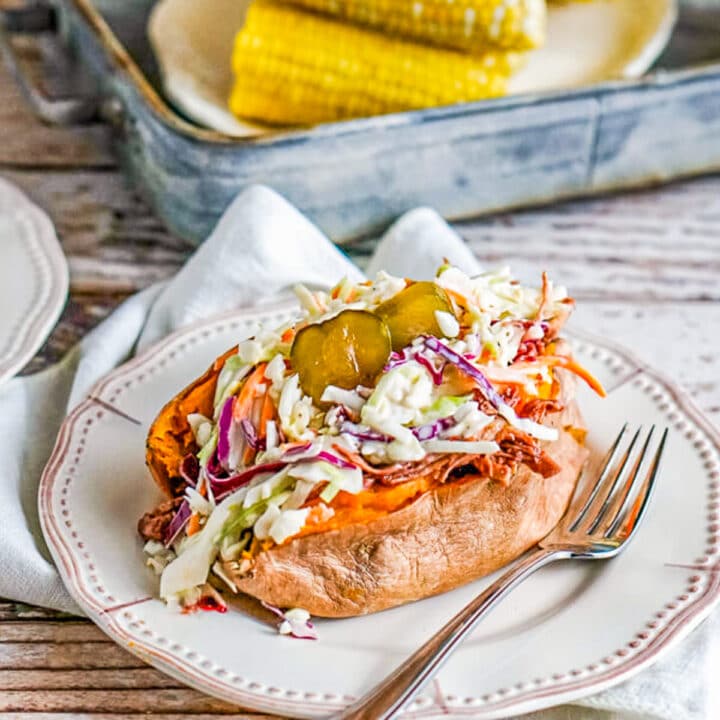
<point x="615" y="505"/>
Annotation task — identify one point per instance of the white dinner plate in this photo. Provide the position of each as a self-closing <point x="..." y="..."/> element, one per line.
<point x="588" y="42"/>
<point x="571" y="630"/>
<point x="33" y="279"/>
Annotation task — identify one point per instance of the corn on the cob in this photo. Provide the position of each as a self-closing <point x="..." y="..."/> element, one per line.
<point x="471" y="25"/>
<point x="293" y="67"/>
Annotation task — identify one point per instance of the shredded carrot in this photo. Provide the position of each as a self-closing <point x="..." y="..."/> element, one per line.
<point x="246" y="401"/>
<point x="288" y="335"/>
<point x="267" y="412"/>
<point x="248" y="455"/>
<point x="193" y="524"/>
<point x="457" y="297"/>
<point x="243" y="402"/>
<point x="585" y="374"/>
<point x="352" y="296"/>
<point x="545" y="297"/>
<point x="575" y="368"/>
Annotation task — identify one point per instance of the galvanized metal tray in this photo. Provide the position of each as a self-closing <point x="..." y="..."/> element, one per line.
<point x="355" y="177"/>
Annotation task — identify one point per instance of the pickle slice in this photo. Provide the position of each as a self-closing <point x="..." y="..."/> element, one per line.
<point x="411" y="312"/>
<point x="348" y="350"/>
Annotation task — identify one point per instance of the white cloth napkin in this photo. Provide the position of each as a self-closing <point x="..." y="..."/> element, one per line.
<point x="261" y="248"/>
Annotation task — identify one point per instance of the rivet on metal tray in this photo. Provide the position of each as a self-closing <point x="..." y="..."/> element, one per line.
<point x="113" y="112"/>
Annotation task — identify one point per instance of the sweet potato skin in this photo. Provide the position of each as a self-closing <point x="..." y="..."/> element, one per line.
<point x="444" y="539"/>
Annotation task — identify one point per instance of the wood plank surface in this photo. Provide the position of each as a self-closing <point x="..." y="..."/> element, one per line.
<point x="169" y="700"/>
<point x="29" y="143"/>
<point x="607" y="249"/>
<point x="67" y="655"/>
<point x="99" y="679"/>
<point x="48" y="631"/>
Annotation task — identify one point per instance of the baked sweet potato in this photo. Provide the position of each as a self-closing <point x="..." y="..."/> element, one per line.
<point x="413" y="541"/>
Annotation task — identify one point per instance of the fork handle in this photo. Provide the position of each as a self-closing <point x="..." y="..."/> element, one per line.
<point x="386" y="699"/>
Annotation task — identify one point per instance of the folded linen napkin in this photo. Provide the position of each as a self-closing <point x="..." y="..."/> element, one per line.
<point x="261" y="248"/>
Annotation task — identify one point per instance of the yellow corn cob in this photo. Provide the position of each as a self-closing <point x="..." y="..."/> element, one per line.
<point x="292" y="67"/>
<point x="461" y="24"/>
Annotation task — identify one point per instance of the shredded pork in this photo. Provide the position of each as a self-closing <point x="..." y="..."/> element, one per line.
<point x="152" y="525"/>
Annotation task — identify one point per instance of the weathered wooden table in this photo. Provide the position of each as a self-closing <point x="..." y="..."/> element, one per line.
<point x="645" y="269"/>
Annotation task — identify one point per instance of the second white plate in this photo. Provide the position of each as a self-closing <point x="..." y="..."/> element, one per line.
<point x="33" y="279"/>
<point x="588" y="42"/>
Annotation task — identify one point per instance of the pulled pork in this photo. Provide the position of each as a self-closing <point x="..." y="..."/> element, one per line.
<point x="152" y="525"/>
<point x="538" y="409"/>
<point x="516" y="448"/>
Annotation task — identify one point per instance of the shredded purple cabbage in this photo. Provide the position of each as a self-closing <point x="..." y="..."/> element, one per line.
<point x="400" y="358"/>
<point x="335" y="460"/>
<point x="306" y="631"/>
<point x="221" y="487"/>
<point x="433" y="429"/>
<point x="178" y="522"/>
<point x="297" y="450"/>
<point x="432" y="343"/>
<point x="436" y="374"/>
<point x="396" y="359"/>
<point x="363" y="433"/>
<point x="273" y="609"/>
<point x="214" y="469"/>
<point x="224" y="430"/>
<point x="422" y="432"/>
<point x="190" y="469"/>
<point x="250" y="434"/>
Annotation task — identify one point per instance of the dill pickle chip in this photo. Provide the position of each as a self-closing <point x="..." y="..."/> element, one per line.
<point x="348" y="350"/>
<point x="411" y="312"/>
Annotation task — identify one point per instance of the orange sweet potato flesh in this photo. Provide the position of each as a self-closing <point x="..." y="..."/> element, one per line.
<point x="170" y="437"/>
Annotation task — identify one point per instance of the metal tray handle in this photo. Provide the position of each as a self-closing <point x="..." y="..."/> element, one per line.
<point x="38" y="20"/>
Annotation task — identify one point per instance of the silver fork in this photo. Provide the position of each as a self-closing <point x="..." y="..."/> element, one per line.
<point x="598" y="524"/>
